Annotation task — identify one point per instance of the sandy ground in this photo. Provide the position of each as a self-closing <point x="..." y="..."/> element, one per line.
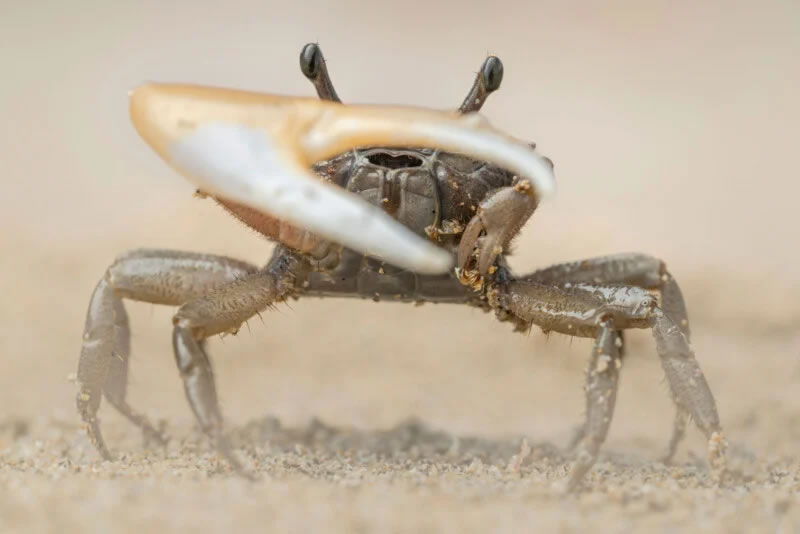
<point x="673" y="128"/>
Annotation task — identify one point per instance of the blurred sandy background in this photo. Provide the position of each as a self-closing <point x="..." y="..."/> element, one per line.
<point x="674" y="130"/>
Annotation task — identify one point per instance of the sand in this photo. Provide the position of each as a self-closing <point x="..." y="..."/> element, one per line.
<point x="673" y="129"/>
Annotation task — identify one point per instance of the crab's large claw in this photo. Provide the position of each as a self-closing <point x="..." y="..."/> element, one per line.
<point x="257" y="149"/>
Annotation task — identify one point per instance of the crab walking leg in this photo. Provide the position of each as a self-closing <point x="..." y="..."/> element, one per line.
<point x="602" y="377"/>
<point x="576" y="310"/>
<point x="224" y="310"/>
<point x="633" y="269"/>
<point x="102" y="344"/>
<point x="639" y="270"/>
<point x="580" y="430"/>
<point x="115" y="388"/>
<point x="678" y="433"/>
<point x="157" y="276"/>
<point x="689" y="387"/>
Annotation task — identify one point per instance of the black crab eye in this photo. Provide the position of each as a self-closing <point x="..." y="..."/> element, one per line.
<point x="310" y="57"/>
<point x="492" y="71"/>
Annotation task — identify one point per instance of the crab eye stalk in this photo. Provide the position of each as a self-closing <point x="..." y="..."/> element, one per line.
<point x="310" y="60"/>
<point x="312" y="63"/>
<point x="492" y="71"/>
<point x="487" y="81"/>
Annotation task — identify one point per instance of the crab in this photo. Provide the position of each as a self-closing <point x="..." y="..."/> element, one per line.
<point x="380" y="202"/>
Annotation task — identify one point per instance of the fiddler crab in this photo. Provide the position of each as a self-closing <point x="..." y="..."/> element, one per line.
<point x="380" y="202"/>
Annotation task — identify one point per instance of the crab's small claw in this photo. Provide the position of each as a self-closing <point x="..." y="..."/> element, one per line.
<point x="257" y="149"/>
<point x="500" y="217"/>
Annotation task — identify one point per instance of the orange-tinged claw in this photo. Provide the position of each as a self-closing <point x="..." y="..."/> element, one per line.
<point x="257" y="149"/>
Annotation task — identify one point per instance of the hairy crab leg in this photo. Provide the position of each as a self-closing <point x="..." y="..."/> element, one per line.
<point x="147" y="275"/>
<point x="579" y="309"/>
<point x="639" y="270"/>
<point x="257" y="149"/>
<point x="602" y="377"/>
